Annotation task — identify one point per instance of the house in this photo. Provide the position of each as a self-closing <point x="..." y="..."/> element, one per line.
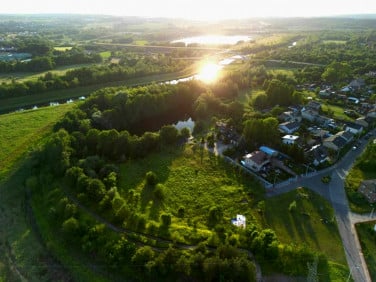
<point x="289" y="139"/>
<point x="353" y="100"/>
<point x="289" y="127"/>
<point x="372" y="113"/>
<point x="347" y="135"/>
<point x="318" y="133"/>
<point x="319" y="154"/>
<point x="335" y="142"/>
<point x="255" y="160"/>
<point x="239" y="221"/>
<point x="326" y="93"/>
<point x="354" y="128"/>
<point x="314" y="106"/>
<point x="268" y="151"/>
<point x="324" y="121"/>
<point x="309" y="115"/>
<point x="362" y="121"/>
<point x="368" y="190"/>
<point x="287" y="116"/>
<point x="357" y="84"/>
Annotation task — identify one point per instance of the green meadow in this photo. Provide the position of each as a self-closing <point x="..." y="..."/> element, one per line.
<point x="23" y="130"/>
<point x="367" y="238"/>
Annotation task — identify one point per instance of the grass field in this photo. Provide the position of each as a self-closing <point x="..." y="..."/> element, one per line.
<point x="337" y="112"/>
<point x="26" y="76"/>
<point x="367" y="238"/>
<point x="63" y="48"/>
<point x="22" y="254"/>
<point x="105" y="54"/>
<point x="20" y="131"/>
<point x="303" y="217"/>
<point x="194" y="185"/>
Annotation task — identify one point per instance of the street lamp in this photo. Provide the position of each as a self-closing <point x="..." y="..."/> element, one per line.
<point x="351" y="269"/>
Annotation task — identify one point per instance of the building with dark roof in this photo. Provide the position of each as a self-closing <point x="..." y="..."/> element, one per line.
<point x="335" y="142"/>
<point x="289" y="127"/>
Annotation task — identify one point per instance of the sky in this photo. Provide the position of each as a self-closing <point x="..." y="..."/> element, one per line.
<point x="194" y="9"/>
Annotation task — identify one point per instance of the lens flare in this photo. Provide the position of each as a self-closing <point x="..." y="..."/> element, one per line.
<point x="209" y="72"/>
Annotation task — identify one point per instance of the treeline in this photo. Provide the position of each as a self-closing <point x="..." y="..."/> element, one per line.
<point x="356" y="49"/>
<point x="85" y="76"/>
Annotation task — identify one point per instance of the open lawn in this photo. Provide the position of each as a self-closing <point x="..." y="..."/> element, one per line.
<point x="63" y="48"/>
<point x="367" y="238"/>
<point x="21" y="131"/>
<point x="337" y="111"/>
<point x="303" y="217"/>
<point x="191" y="184"/>
<point x="26" y="76"/>
<point x="362" y="170"/>
<point x="105" y="54"/>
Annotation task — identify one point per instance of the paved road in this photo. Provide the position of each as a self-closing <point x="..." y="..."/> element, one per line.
<point x="335" y="193"/>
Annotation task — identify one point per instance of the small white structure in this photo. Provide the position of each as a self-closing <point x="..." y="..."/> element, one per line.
<point x="290" y="139"/>
<point x="239" y="221"/>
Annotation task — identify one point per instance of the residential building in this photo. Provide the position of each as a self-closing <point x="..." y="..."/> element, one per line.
<point x="313" y="105"/>
<point x="290" y="139"/>
<point x="362" y="121"/>
<point x="289" y="127"/>
<point x="357" y="84"/>
<point x="255" y="160"/>
<point x="319" y="154"/>
<point x="309" y="115"/>
<point x="347" y="135"/>
<point x="335" y="142"/>
<point x="354" y="128"/>
<point x="239" y="221"/>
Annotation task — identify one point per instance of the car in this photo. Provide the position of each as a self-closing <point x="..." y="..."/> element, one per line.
<point x="354" y="147"/>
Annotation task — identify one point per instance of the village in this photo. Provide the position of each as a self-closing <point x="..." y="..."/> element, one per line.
<point x="324" y="136"/>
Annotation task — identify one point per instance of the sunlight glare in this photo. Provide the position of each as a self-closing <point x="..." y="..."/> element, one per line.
<point x="209" y="72"/>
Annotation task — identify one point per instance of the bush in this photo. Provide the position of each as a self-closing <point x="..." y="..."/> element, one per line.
<point x="151" y="178"/>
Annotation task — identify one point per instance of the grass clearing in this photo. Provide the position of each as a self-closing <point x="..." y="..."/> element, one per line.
<point x="20" y="131"/>
<point x="63" y="48"/>
<point x="337" y="111"/>
<point x="105" y="54"/>
<point x="27" y="76"/>
<point x="303" y="217"/>
<point x="189" y="183"/>
<point x="367" y="238"/>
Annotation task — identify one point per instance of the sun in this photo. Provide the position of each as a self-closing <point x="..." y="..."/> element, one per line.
<point x="209" y="72"/>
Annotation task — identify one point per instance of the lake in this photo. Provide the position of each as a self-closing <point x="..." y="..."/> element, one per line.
<point x="213" y="39"/>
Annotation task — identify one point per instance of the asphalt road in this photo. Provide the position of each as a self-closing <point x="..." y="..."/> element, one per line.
<point x="335" y="193"/>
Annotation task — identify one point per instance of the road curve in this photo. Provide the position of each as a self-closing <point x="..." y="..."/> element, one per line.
<point x="335" y="193"/>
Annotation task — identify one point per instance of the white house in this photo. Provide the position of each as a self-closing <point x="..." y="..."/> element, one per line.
<point x="255" y="160"/>
<point x="239" y="221"/>
<point x="290" y="139"/>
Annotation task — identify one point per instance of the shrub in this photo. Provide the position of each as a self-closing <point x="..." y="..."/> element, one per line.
<point x="151" y="178"/>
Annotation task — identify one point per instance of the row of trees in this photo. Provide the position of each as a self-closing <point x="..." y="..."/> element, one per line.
<point x="95" y="74"/>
